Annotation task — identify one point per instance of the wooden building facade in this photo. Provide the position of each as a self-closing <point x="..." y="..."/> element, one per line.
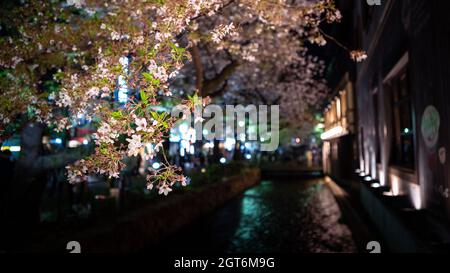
<point x="403" y="99"/>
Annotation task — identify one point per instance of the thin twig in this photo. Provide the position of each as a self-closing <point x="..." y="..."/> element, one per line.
<point x="329" y="37"/>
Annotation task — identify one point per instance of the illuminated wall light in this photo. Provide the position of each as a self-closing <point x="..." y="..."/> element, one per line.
<point x="223" y="160"/>
<point x="248" y="156"/>
<point x="375" y="185"/>
<point x="338" y="108"/>
<point x="368" y="178"/>
<point x="361" y="163"/>
<point x="156" y="165"/>
<point x="395" y="185"/>
<point x="374" y="169"/>
<point x="333" y="133"/>
<point x="416" y="197"/>
<point x="389" y="193"/>
<point x="382" y="178"/>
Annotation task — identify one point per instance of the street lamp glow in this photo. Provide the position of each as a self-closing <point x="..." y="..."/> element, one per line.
<point x="73" y="143"/>
<point x="14" y="149"/>
<point x="57" y="141"/>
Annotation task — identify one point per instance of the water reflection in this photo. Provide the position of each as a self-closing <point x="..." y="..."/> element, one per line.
<point x="274" y="216"/>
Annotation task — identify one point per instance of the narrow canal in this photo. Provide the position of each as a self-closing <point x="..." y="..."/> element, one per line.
<point x="276" y="216"/>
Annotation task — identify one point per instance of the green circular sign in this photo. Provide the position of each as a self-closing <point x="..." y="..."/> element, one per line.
<point x="431" y="121"/>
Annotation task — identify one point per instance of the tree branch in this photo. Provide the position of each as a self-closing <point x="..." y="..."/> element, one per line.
<point x="197" y="60"/>
<point x="209" y="86"/>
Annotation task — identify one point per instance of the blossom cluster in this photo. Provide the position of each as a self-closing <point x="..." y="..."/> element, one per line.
<point x="87" y="48"/>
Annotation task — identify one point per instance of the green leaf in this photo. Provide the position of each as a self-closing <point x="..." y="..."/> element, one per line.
<point x="116" y="114"/>
<point x="148" y="77"/>
<point x="193" y="99"/>
<point x="155" y="115"/>
<point x="144" y="96"/>
<point x="159" y="2"/>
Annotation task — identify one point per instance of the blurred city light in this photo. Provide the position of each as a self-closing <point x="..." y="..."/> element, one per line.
<point x="156" y="165"/>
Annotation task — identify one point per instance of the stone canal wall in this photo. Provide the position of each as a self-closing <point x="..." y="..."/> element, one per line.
<point x="151" y="224"/>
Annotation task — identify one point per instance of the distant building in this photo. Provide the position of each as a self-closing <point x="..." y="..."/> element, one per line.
<point x="339" y="139"/>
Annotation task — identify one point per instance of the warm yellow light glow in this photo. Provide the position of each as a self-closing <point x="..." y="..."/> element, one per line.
<point x="11" y="148"/>
<point x="333" y="133"/>
<point x="338" y="108"/>
<point x="395" y="185"/>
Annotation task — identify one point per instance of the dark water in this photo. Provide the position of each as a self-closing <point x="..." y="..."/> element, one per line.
<point x="274" y="217"/>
